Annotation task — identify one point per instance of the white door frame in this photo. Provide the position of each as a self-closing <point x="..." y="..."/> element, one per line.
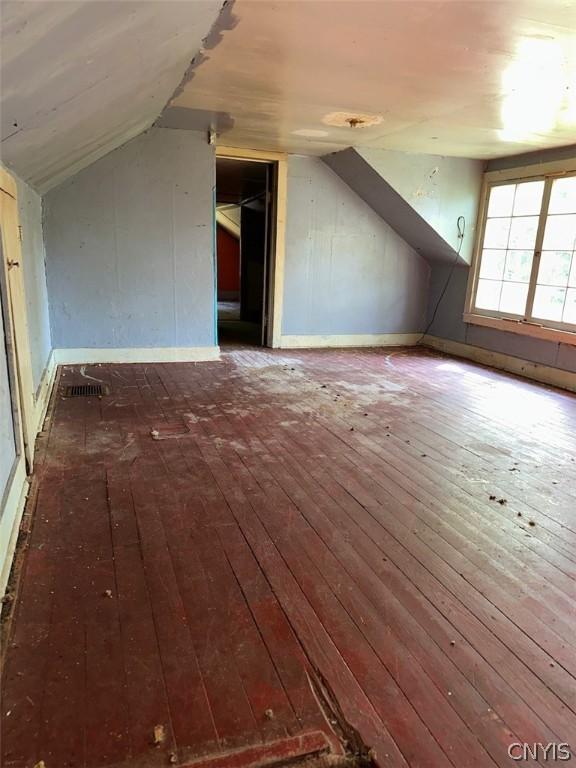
<point x="280" y="159"/>
<point x="16" y="310"/>
<point x="23" y="403"/>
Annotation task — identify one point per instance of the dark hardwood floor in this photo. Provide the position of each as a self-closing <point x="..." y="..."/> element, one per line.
<point x="284" y="553"/>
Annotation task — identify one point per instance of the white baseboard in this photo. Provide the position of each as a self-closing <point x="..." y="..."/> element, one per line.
<point x="12" y="510"/>
<point x="351" y="340"/>
<point x="542" y="373"/>
<point x="88" y="355"/>
<point x="42" y="398"/>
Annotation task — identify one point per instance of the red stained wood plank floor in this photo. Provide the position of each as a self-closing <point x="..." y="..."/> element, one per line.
<point x="215" y="548"/>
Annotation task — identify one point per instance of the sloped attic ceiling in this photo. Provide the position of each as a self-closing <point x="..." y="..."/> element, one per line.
<point x="78" y="79"/>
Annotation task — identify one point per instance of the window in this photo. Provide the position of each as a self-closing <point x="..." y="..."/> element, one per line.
<point x="526" y="265"/>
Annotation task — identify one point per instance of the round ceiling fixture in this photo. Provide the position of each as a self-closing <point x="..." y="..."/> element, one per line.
<point x="352" y="120"/>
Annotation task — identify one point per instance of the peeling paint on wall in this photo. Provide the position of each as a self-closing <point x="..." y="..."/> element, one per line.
<point x="226" y="21"/>
<point x="428" y="188"/>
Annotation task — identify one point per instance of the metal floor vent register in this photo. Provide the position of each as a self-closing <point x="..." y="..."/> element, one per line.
<point x="85" y="390"/>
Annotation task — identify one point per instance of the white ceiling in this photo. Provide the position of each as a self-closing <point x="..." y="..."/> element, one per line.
<point x="472" y="78"/>
<point x="81" y="78"/>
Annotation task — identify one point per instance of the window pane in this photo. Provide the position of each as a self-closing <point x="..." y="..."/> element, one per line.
<point x="528" y="198"/>
<point x="554" y="268"/>
<point x="496" y="233"/>
<point x="570" y="307"/>
<point x="518" y="266"/>
<point x="560" y="234"/>
<point x="523" y="232"/>
<point x="488" y="294"/>
<point x="492" y="264"/>
<point x="507" y="259"/>
<point x="513" y="298"/>
<point x="501" y="200"/>
<point x="548" y="303"/>
<point x="563" y="196"/>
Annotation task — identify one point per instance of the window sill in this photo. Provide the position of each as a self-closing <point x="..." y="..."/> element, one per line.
<point x="522" y="327"/>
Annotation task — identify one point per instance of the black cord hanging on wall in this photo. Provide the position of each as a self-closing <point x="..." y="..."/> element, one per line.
<point x="461" y="226"/>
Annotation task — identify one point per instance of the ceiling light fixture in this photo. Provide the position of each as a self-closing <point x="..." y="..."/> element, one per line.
<point x="351" y="120"/>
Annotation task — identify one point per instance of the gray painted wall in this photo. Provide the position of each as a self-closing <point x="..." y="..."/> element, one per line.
<point x="439" y="188"/>
<point x="129" y="247"/>
<point x="381" y="196"/>
<point x="347" y="271"/>
<point x="33" y="259"/>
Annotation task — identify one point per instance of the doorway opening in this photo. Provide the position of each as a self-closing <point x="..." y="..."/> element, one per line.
<point x="245" y="210"/>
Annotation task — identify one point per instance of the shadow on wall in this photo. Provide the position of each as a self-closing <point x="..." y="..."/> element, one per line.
<point x="446" y="298"/>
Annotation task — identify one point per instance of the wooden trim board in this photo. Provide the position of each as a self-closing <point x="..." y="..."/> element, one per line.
<point x="87" y="355"/>
<point x="544" y="374"/>
<point x="522" y="328"/>
<point x="44" y="391"/>
<point x="12" y="267"/>
<point x="12" y="509"/>
<point x="7" y="183"/>
<point x="350" y="340"/>
<point x="243" y="153"/>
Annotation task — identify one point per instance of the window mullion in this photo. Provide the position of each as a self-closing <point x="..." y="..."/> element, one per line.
<point x="538" y="248"/>
<point x="477" y="262"/>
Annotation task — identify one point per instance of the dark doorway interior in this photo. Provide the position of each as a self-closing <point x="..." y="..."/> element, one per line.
<point x="242" y="245"/>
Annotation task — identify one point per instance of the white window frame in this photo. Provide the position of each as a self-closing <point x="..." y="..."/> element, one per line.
<point x="526" y="325"/>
